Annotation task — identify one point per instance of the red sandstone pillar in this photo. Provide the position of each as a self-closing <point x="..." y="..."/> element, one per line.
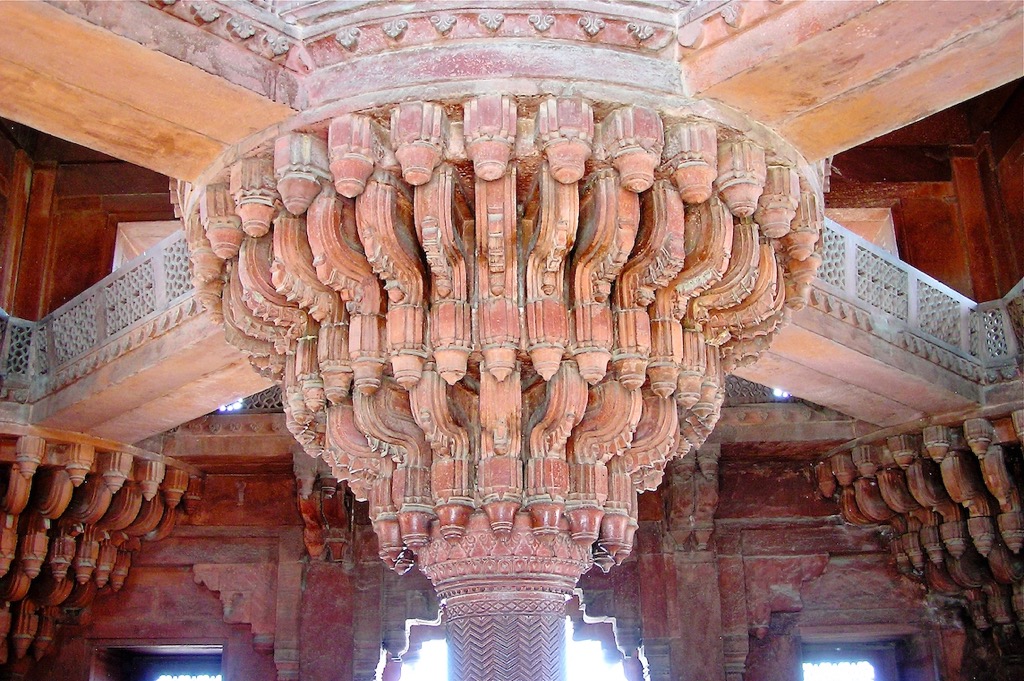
<point x="504" y="599"/>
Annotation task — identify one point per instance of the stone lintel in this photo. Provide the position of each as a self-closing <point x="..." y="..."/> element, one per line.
<point x="892" y="63"/>
<point x="82" y="83"/>
<point x="180" y="375"/>
<point x="857" y="372"/>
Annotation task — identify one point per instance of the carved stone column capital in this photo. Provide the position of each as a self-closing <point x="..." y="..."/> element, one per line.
<point x="500" y="330"/>
<point x="482" y="559"/>
<point x="504" y="597"/>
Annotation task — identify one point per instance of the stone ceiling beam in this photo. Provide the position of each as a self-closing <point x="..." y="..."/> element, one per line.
<point x="832" y="363"/>
<point x="179" y="376"/>
<point x="79" y="82"/>
<point x="889" y="64"/>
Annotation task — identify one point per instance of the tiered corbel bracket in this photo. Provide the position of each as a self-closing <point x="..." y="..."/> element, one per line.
<point x="325" y="508"/>
<point x="952" y="495"/>
<point x="692" y="499"/>
<point x="500" y="330"/>
<point x="341" y="263"/>
<point x="609" y="219"/>
<point x="73" y="512"/>
<point x="441" y="217"/>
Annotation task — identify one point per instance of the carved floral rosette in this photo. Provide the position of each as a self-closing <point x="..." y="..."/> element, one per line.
<point x="502" y="317"/>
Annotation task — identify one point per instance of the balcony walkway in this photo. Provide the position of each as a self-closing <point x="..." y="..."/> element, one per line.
<point x="880" y="342"/>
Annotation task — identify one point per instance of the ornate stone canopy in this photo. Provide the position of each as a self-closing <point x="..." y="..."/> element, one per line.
<point x="501" y="301"/>
<point x="504" y="262"/>
<point x="500" y="307"/>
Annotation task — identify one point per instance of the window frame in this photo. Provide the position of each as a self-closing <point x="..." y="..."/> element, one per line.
<point x="147" y="663"/>
<point x="882" y="655"/>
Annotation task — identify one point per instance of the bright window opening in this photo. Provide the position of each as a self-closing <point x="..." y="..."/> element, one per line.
<point x="234" y="406"/>
<point x="158" y="663"/>
<point x="851" y="661"/>
<point x="586" y="660"/>
<point x="839" y="671"/>
<point x="432" y="662"/>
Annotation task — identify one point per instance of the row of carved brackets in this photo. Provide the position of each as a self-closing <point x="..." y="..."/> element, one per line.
<point x="951" y="495"/>
<point x="72" y="516"/>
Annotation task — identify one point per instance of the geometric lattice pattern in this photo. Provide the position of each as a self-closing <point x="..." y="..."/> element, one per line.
<point x="739" y="391"/>
<point x="177" y="277"/>
<point x="938" y="314"/>
<point x="130" y="297"/>
<point x="42" y="358"/>
<point x="19" y="354"/>
<point x="988" y="335"/>
<point x="833" y="254"/>
<point x="74" y="331"/>
<point x="265" y="401"/>
<point x="881" y="284"/>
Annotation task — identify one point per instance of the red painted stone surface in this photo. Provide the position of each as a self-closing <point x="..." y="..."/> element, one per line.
<point x="736" y="563"/>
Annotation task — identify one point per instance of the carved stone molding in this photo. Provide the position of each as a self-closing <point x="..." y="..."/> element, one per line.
<point x="246" y="592"/>
<point x="692" y="499"/>
<point x="504" y="598"/>
<point x="74" y="512"/>
<point x="950" y="495"/>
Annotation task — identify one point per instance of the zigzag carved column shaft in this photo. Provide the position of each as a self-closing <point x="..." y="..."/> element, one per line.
<point x="500" y="317"/>
<point x="951" y="493"/>
<point x="530" y="626"/>
<point x="504" y="599"/>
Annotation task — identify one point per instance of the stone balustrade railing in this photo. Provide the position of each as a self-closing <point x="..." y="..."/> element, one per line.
<point x="97" y="326"/>
<point x="924" y="316"/>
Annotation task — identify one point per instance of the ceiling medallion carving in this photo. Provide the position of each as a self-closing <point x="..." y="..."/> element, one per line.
<point x="499" y="319"/>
